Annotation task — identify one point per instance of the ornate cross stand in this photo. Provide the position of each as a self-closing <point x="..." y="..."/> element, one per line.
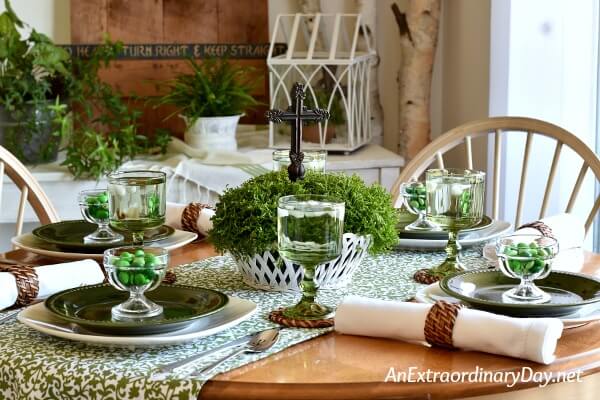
<point x="296" y="114"/>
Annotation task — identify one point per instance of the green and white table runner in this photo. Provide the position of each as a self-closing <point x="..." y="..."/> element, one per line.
<point x="36" y="366"/>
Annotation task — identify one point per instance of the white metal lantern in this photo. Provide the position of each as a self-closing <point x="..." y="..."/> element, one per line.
<point x="332" y="55"/>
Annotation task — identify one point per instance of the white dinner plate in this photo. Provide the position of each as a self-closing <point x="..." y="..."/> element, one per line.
<point x="432" y="293"/>
<point x="29" y="242"/>
<point x="39" y="318"/>
<point x="495" y="229"/>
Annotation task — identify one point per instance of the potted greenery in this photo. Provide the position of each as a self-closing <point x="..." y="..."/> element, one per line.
<point x="310" y="133"/>
<point x="245" y="226"/>
<point x="33" y="72"/>
<point x="211" y="101"/>
<point x="105" y="127"/>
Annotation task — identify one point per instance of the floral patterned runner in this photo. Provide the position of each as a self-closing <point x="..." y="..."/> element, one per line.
<point x="36" y="366"/>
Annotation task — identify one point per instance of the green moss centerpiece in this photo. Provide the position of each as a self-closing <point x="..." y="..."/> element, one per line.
<point x="245" y="225"/>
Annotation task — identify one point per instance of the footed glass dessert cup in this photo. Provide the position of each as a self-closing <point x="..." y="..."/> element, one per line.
<point x="136" y="270"/>
<point x="309" y="233"/>
<point x="137" y="202"/>
<point x="455" y="199"/>
<point x="526" y="257"/>
<point x="94" y="208"/>
<point x="415" y="199"/>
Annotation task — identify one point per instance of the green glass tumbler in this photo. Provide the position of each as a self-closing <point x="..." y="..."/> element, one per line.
<point x="309" y="231"/>
<point x="455" y="201"/>
<point x="137" y="202"/>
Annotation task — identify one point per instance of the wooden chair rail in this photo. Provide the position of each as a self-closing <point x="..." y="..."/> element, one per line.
<point x="31" y="191"/>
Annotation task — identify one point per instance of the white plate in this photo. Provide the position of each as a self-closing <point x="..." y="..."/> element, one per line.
<point x="29" y="242"/>
<point x="432" y="293"/>
<point x="495" y="229"/>
<point x="39" y="318"/>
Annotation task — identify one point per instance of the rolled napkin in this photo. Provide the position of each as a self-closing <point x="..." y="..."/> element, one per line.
<point x="567" y="229"/>
<point x="50" y="279"/>
<point x="527" y="338"/>
<point x="194" y="217"/>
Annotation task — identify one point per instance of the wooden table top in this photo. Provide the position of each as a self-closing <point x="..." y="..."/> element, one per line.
<point x="337" y="366"/>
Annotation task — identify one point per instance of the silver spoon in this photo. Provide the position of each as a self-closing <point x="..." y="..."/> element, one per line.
<point x="260" y="342"/>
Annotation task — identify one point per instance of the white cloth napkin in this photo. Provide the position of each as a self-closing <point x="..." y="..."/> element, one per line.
<point x="52" y="279"/>
<point x="528" y="338"/>
<point x="569" y="231"/>
<point x="175" y="210"/>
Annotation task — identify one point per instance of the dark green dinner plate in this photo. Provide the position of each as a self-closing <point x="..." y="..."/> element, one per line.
<point x="68" y="235"/>
<point x="482" y="289"/>
<point x="441" y="235"/>
<point x="90" y="308"/>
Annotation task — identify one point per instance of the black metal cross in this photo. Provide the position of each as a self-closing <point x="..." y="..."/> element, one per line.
<point x="296" y="114"/>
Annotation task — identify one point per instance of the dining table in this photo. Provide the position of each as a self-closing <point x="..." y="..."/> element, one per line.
<point x="337" y="366"/>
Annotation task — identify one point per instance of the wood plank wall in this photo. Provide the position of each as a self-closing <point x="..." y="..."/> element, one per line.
<point x="170" y="21"/>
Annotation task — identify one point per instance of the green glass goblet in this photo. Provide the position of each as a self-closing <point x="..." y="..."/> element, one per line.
<point x="455" y="201"/>
<point x="309" y="232"/>
<point x="137" y="202"/>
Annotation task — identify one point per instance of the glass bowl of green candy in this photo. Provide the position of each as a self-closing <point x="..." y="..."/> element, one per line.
<point x="526" y="257"/>
<point x="414" y="195"/>
<point x="136" y="270"/>
<point x="94" y="208"/>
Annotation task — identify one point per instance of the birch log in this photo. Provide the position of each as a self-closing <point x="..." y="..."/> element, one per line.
<point x="312" y="7"/>
<point x="368" y="12"/>
<point x="418" y="36"/>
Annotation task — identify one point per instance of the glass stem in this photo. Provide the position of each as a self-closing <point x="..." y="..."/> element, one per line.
<point x="309" y="286"/>
<point x="137" y="238"/>
<point x="452" y="247"/>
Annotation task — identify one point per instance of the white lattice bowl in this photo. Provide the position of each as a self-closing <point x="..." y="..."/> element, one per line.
<point x="263" y="272"/>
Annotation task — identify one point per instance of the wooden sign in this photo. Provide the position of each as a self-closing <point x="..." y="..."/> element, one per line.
<point x="175" y="51"/>
<point x="161" y="34"/>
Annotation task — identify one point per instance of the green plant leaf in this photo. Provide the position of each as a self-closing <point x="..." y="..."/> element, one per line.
<point x="245" y="219"/>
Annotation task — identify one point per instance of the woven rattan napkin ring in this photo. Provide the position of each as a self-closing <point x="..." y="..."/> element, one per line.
<point x="439" y="324"/>
<point x="541" y="227"/>
<point x="189" y="218"/>
<point x="27" y="283"/>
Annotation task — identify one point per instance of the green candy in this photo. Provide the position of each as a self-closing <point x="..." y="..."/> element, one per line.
<point x="123" y="277"/>
<point x="524" y="252"/>
<point x="103" y="198"/>
<point x="140" y="279"/>
<point x="138" y="262"/>
<point x="139" y="253"/>
<point x="529" y="257"/>
<point x="150" y="274"/>
<point x="122" y="263"/>
<point x="126" y="256"/>
<point x="91" y="200"/>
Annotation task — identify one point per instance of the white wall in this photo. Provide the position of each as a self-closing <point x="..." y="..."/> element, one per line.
<point x="50" y="17"/>
<point x="545" y="66"/>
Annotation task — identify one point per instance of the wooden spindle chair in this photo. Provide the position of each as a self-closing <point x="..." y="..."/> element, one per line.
<point x="31" y="191"/>
<point x="499" y="126"/>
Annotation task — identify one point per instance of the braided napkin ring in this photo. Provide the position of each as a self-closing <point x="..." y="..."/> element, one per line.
<point x="541" y="227"/>
<point x="189" y="218"/>
<point x="27" y="282"/>
<point x="439" y="323"/>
